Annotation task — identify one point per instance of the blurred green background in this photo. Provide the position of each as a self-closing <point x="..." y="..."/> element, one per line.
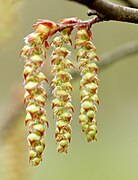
<point x="115" y="154"/>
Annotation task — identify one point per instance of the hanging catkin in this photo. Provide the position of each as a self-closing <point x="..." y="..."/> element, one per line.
<point x="89" y="83"/>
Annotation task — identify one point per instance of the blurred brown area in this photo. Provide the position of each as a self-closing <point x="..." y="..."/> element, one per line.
<point x="115" y="154"/>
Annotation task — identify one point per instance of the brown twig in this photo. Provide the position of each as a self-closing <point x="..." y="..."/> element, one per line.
<point x="90" y="22"/>
<point x="111" y="11"/>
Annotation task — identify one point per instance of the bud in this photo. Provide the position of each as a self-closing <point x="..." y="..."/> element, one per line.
<point x="57" y="41"/>
<point x="31" y="85"/>
<point x="32" y="154"/>
<point x="39" y="149"/>
<point x="45" y="28"/>
<point x="83" y="118"/>
<point x="86" y="105"/>
<point x="26" y="51"/>
<point x="61" y="123"/>
<point x="36" y="161"/>
<point x="27" y="70"/>
<point x="36" y="59"/>
<point x="39" y="127"/>
<point x="91" y="114"/>
<point x="32" y="39"/>
<point x="40" y="99"/>
<point x="33" y="137"/>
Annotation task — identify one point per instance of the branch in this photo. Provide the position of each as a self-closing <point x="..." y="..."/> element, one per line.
<point x="16" y="109"/>
<point x="117" y="54"/>
<point x="110" y="11"/>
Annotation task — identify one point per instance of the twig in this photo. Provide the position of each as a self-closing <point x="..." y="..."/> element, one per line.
<point x="121" y="52"/>
<point x="90" y="22"/>
<point x="110" y="11"/>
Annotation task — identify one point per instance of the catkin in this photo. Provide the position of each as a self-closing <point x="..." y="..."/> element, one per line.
<point x="61" y="82"/>
<point x="35" y="93"/>
<point x="89" y="83"/>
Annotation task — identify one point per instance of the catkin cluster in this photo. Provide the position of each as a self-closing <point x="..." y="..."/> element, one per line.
<point x="35" y="93"/>
<point x="61" y="82"/>
<point x="34" y="53"/>
<point x="89" y="82"/>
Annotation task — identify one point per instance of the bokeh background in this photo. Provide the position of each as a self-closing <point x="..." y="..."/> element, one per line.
<point x="115" y="154"/>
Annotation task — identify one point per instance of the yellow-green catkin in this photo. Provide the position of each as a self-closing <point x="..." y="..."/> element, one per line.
<point x="86" y="57"/>
<point x="61" y="82"/>
<point x="35" y="93"/>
